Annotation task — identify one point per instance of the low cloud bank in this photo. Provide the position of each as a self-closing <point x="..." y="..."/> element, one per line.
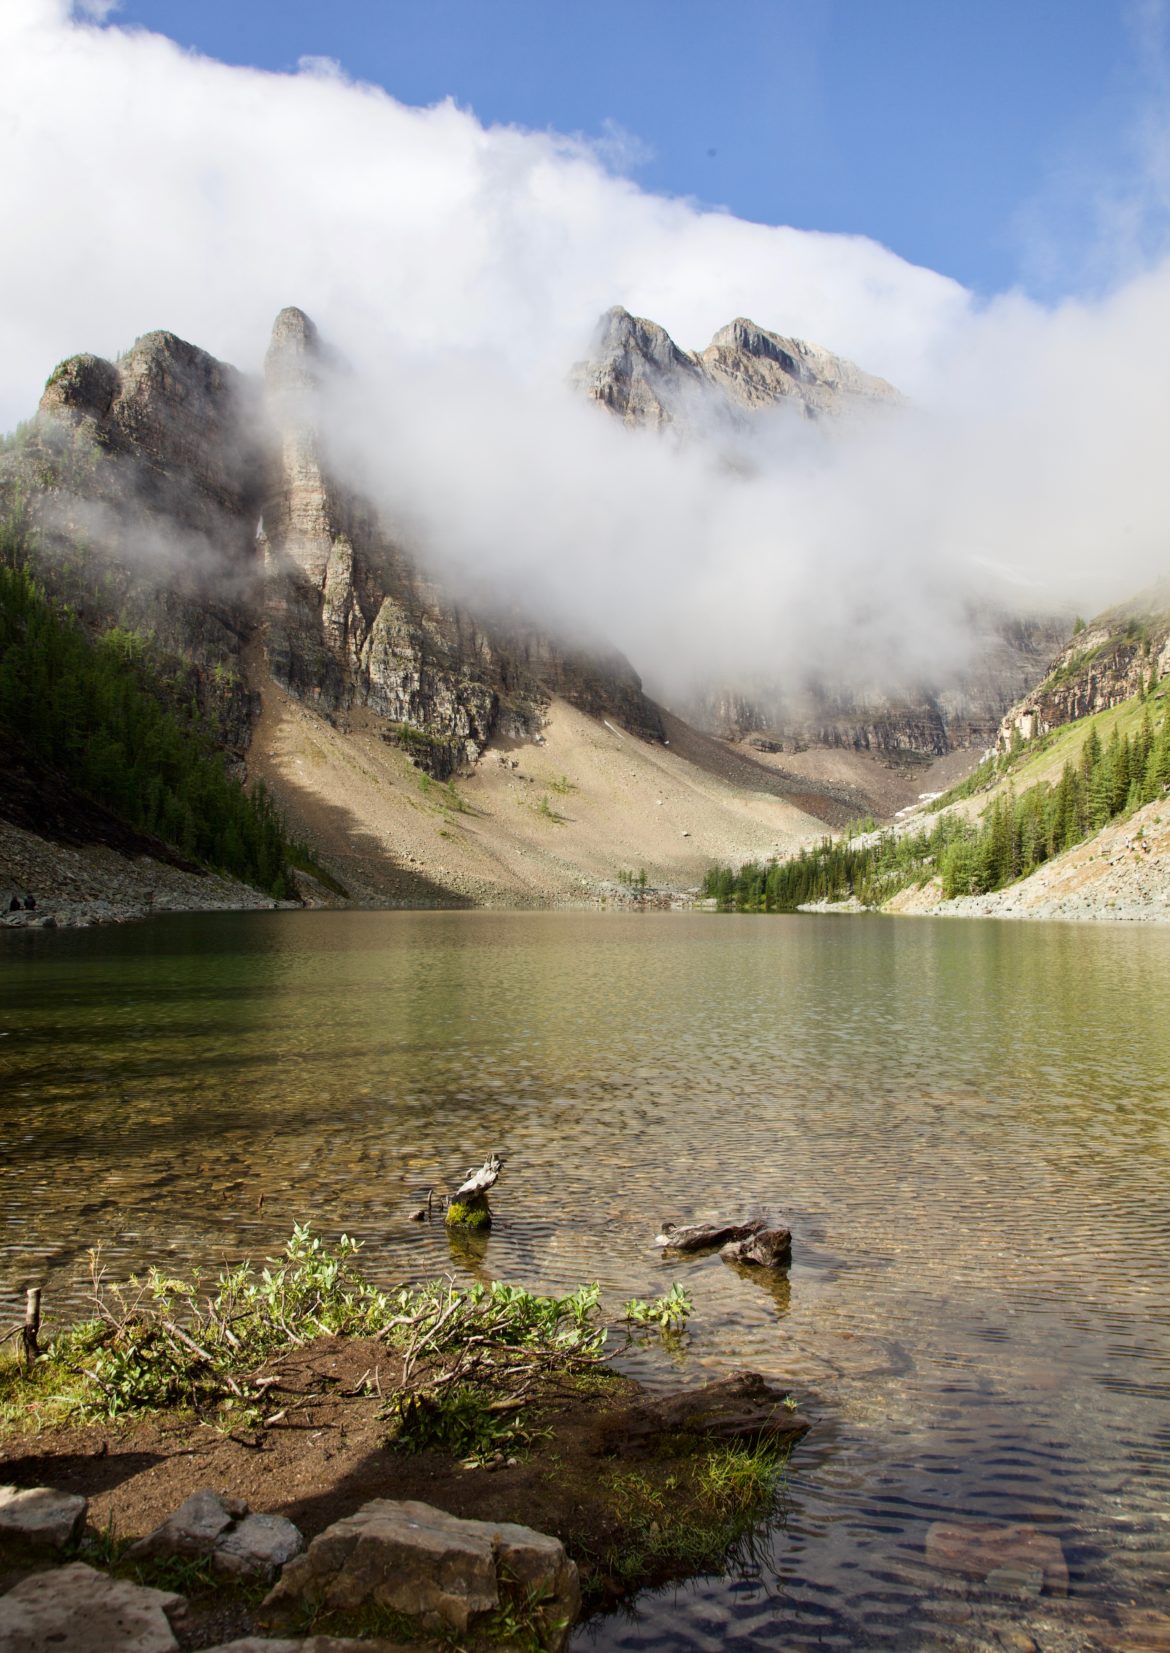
<point x="459" y="271"/>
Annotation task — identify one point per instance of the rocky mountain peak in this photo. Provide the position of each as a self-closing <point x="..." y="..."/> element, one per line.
<point x="640" y="374"/>
<point x="294" y="350"/>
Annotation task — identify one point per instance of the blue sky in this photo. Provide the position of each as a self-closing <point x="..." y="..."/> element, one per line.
<point x="978" y="140"/>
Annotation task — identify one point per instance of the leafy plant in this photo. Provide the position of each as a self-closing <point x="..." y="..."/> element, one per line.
<point x="669" y="1312"/>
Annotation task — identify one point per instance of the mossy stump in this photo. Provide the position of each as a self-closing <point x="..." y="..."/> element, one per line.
<point x="468" y="1206"/>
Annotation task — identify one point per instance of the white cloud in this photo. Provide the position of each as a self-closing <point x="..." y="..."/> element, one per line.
<point x="460" y="270"/>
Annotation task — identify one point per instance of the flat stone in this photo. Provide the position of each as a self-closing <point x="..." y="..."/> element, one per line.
<point x="41" y="1516"/>
<point x="258" y="1547"/>
<point x="194" y="1528"/>
<point x="979" y="1550"/>
<point x="80" y="1610"/>
<point x="436" y="1568"/>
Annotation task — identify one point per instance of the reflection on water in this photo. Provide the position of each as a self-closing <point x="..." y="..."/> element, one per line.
<point x="966" y="1126"/>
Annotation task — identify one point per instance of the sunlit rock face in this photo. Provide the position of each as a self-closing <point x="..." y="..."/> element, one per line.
<point x="639" y="373"/>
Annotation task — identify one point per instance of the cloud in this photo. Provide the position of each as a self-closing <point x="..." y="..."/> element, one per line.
<point x="459" y="269"/>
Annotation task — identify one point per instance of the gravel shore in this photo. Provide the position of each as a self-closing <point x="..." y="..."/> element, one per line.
<point x="75" y="886"/>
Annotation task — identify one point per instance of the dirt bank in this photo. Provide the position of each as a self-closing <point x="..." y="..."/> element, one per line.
<point x="624" y="1482"/>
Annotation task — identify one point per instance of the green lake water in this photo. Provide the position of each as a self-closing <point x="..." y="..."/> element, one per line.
<point x="966" y="1126"/>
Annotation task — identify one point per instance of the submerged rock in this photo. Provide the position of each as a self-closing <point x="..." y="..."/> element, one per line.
<point x="741" y="1408"/>
<point x="1013" y="1558"/>
<point x="767" y="1248"/>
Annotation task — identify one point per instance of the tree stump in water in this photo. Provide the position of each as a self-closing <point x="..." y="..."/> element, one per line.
<point x="469" y="1207"/>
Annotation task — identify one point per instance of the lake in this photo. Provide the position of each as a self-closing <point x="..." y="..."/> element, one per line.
<point x="966" y="1126"/>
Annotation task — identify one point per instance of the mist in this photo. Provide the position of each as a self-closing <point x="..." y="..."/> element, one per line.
<point x="459" y="271"/>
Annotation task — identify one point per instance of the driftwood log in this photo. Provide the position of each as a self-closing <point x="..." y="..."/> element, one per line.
<point x="767" y="1248"/>
<point x="752" y="1242"/>
<point x="702" y="1236"/>
<point x="468" y="1206"/>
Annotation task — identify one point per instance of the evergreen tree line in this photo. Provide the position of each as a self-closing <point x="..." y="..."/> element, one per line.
<point x="1017" y="835"/>
<point x="94" y="710"/>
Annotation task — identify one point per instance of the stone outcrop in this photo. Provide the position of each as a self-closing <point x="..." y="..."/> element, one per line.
<point x="79" y="1609"/>
<point x="447" y="1573"/>
<point x="40" y="1517"/>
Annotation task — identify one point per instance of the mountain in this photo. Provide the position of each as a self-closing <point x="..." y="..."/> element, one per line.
<point x="638" y="372"/>
<point x="207" y="509"/>
<point x="641" y="376"/>
<point x="169" y="499"/>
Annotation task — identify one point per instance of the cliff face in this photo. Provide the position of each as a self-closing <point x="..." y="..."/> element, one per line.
<point x="173" y="496"/>
<point x="1107" y="661"/>
<point x="640" y="374"/>
<point x="642" y="377"/>
<point x="353" y="620"/>
<point x="142" y="479"/>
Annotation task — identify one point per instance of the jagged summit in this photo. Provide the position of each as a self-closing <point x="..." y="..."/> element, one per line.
<point x="640" y="373"/>
<point x="294" y="351"/>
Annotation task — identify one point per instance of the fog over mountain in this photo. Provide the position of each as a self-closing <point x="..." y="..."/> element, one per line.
<point x="459" y="271"/>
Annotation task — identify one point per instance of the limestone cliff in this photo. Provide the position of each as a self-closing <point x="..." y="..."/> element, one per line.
<point x="142" y="480"/>
<point x="354" y="620"/>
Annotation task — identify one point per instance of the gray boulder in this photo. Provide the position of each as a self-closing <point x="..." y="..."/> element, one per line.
<point x="211" y="1524"/>
<point x="258" y="1547"/>
<point x="41" y="1517"/>
<point x="193" y="1528"/>
<point x="445" y="1572"/>
<point x="84" y="1611"/>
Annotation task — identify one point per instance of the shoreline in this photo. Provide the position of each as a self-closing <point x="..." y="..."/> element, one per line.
<point x="1121" y="875"/>
<point x="488" y="1404"/>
